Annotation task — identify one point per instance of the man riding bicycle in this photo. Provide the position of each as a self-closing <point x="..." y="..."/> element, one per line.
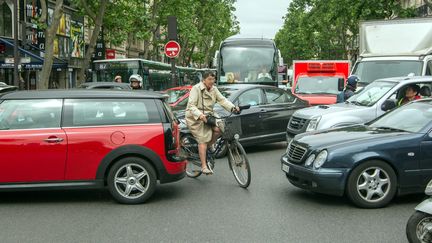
<point x="202" y="98"/>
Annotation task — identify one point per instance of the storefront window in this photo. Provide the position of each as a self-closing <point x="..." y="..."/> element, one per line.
<point x="5" y="20"/>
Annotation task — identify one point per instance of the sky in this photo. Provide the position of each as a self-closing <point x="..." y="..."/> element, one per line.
<point x="261" y="18"/>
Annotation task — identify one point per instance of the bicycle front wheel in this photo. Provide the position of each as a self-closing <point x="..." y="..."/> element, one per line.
<point x="189" y="149"/>
<point x="239" y="164"/>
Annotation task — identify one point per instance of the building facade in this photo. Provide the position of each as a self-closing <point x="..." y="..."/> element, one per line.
<point x="68" y="44"/>
<point x="423" y="7"/>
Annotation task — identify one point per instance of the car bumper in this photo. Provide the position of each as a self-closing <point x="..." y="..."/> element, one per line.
<point x="324" y="180"/>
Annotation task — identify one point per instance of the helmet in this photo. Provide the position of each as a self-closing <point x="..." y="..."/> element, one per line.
<point x="135" y="77"/>
<point x="352" y="80"/>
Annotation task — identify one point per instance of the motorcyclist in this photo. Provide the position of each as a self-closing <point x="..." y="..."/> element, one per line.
<point x="135" y="81"/>
<point x="351" y="86"/>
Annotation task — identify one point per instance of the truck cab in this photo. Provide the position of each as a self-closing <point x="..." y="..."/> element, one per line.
<point x="394" y="48"/>
<point x="319" y="82"/>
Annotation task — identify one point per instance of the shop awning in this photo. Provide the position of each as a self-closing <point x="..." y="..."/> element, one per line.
<point x="36" y="62"/>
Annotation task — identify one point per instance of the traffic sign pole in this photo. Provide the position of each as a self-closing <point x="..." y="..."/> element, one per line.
<point x="172" y="50"/>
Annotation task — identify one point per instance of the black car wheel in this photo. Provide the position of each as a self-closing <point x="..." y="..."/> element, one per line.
<point x="372" y="184"/>
<point x="131" y="180"/>
<point x="417" y="229"/>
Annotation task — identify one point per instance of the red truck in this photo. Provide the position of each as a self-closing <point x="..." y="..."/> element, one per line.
<point x="319" y="81"/>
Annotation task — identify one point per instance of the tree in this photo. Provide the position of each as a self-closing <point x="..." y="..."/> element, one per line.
<point x="202" y="25"/>
<point x="95" y="10"/>
<point x="50" y="34"/>
<point x="328" y="29"/>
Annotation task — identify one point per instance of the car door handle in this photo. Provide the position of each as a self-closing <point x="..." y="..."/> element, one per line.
<point x="53" y="140"/>
<point x="263" y="110"/>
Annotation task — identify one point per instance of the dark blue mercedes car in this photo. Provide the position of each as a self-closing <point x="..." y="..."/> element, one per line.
<point x="369" y="163"/>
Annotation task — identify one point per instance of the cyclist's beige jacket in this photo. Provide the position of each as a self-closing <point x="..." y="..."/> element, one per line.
<point x="195" y="107"/>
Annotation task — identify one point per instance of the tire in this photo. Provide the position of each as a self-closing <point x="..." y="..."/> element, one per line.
<point x="239" y="164"/>
<point x="372" y="184"/>
<point x="131" y="180"/>
<point x="416" y="230"/>
<point x="189" y="149"/>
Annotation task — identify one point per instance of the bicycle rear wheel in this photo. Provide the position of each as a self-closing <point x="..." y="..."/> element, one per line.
<point x="189" y="149"/>
<point x="239" y="164"/>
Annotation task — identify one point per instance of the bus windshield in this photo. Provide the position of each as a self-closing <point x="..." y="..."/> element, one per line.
<point x="106" y="71"/>
<point x="247" y="64"/>
<point x="369" y="71"/>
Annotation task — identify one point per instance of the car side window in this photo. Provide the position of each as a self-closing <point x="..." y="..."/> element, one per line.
<point x="250" y="97"/>
<point x="95" y="112"/>
<point x="30" y="114"/>
<point x="276" y="96"/>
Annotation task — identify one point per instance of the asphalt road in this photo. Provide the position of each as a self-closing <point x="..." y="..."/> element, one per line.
<point x="207" y="209"/>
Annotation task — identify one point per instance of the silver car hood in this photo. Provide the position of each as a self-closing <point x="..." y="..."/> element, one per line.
<point x="335" y="109"/>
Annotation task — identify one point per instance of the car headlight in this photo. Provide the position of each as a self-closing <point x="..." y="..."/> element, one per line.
<point x="320" y="159"/>
<point x="310" y="160"/>
<point x="313" y="124"/>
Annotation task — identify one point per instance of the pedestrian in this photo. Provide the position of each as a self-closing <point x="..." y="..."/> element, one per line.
<point x="118" y="79"/>
<point x="135" y="81"/>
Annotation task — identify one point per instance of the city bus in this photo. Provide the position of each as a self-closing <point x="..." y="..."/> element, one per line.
<point x="156" y="75"/>
<point x="247" y="60"/>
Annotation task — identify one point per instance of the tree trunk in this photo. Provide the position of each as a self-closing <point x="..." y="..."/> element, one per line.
<point x="98" y="24"/>
<point x="50" y="34"/>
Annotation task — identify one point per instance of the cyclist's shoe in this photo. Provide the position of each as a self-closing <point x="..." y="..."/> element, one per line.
<point x="207" y="171"/>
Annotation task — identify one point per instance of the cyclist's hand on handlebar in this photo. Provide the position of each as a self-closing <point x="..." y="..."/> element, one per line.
<point x="235" y="110"/>
<point x="203" y="118"/>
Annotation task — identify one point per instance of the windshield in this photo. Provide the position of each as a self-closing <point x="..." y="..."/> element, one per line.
<point x="317" y="85"/>
<point x="419" y="113"/>
<point x="247" y="64"/>
<point x="371" y="71"/>
<point x="106" y="71"/>
<point x="371" y="93"/>
<point x="175" y="95"/>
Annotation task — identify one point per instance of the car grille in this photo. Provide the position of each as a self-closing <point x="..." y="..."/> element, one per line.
<point x="297" y="123"/>
<point x="296" y="152"/>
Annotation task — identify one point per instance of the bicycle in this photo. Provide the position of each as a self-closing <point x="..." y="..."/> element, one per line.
<point x="237" y="158"/>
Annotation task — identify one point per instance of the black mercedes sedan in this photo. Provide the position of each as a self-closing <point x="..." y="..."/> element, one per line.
<point x="370" y="163"/>
<point x="266" y="119"/>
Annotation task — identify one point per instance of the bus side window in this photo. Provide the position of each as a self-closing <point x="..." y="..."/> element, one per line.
<point x="429" y="68"/>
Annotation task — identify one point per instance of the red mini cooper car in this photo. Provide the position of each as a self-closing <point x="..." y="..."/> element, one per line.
<point x="124" y="140"/>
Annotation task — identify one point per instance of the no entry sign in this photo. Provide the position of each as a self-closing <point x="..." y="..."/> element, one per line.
<point x="172" y="49"/>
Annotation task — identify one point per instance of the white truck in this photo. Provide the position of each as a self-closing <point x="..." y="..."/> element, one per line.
<point x="392" y="48"/>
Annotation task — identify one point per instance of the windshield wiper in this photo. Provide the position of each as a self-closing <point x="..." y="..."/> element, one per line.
<point x="390" y="129"/>
<point x="356" y="103"/>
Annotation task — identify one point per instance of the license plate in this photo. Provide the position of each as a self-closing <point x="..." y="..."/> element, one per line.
<point x="285" y="168"/>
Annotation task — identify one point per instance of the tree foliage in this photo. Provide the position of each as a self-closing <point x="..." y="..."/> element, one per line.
<point x="328" y="29"/>
<point x="202" y="25"/>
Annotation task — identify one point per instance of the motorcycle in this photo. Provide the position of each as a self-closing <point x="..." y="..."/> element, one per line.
<point x="419" y="225"/>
